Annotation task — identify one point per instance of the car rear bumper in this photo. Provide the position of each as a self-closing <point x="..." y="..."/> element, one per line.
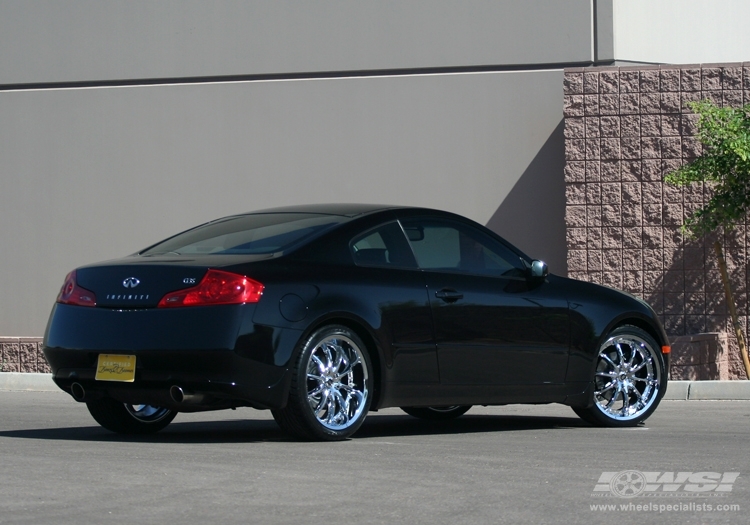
<point x="215" y="355"/>
<point x="208" y="379"/>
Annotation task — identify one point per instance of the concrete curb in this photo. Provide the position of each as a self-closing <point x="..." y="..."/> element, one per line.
<point x="708" y="390"/>
<point x="676" y="390"/>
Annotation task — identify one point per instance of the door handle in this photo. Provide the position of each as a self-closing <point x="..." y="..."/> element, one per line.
<point x="448" y="295"/>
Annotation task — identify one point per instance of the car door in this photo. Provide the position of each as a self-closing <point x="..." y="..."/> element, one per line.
<point x="388" y="273"/>
<point x="494" y="325"/>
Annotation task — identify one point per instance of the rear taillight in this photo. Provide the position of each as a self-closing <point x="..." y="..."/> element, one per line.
<point x="216" y="287"/>
<point x="71" y="293"/>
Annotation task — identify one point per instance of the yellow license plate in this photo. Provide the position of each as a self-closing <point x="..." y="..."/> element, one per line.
<point x="111" y="367"/>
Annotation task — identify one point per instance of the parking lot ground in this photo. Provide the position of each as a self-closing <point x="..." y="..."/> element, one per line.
<point x="510" y="464"/>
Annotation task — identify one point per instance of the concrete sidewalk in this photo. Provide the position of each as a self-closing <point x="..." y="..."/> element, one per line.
<point x="676" y="390"/>
<point x="14" y="381"/>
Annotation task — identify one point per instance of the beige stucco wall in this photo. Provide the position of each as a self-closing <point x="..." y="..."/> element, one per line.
<point x="681" y="31"/>
<point x="92" y="174"/>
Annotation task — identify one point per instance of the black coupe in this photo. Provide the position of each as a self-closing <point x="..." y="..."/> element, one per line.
<point x="322" y="313"/>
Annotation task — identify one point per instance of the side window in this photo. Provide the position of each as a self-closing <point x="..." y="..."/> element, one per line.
<point x="383" y="246"/>
<point x="448" y="246"/>
<point x="435" y="246"/>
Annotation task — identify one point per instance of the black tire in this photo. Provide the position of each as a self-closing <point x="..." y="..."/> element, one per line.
<point x="331" y="387"/>
<point x="129" y="419"/>
<point x="629" y="379"/>
<point x="437" y="413"/>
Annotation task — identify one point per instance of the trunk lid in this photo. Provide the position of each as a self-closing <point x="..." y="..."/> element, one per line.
<point x="141" y="282"/>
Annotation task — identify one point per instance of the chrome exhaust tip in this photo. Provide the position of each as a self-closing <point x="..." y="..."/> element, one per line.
<point x="77" y="391"/>
<point x="177" y="394"/>
<point x="181" y="396"/>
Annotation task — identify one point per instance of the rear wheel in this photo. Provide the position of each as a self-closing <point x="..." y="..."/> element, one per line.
<point x="125" y="418"/>
<point x="629" y="379"/>
<point x="331" y="384"/>
<point x="437" y="413"/>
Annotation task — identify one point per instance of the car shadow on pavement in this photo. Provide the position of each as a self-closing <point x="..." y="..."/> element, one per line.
<point x="234" y="431"/>
<point x="249" y="430"/>
<point x="397" y="425"/>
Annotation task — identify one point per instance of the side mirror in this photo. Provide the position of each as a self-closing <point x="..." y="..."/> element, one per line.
<point x="539" y="269"/>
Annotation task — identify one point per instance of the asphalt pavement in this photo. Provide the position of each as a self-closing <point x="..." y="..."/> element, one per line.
<point x="512" y="464"/>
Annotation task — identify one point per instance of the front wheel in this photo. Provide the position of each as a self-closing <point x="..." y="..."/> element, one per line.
<point x="629" y="379"/>
<point x="331" y="384"/>
<point x="125" y="418"/>
<point x="437" y="413"/>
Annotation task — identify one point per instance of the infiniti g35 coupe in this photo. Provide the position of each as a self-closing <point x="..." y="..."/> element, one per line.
<point x="322" y="313"/>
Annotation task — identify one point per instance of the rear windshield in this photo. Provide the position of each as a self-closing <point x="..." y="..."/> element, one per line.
<point x="247" y="234"/>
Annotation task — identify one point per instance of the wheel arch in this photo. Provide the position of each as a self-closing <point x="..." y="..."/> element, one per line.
<point x="586" y="365"/>
<point x="644" y="325"/>
<point x="364" y="332"/>
<point x="654" y="331"/>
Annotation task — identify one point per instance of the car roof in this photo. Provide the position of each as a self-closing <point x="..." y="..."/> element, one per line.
<point x="342" y="209"/>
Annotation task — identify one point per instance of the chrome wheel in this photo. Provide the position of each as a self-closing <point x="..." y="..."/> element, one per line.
<point x="331" y="387"/>
<point x="147" y="413"/>
<point x="125" y="418"/>
<point x="337" y="382"/>
<point x="627" y="377"/>
<point x="437" y="413"/>
<point x="444" y="410"/>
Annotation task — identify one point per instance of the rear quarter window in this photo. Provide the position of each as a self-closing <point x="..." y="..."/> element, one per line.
<point x="384" y="246"/>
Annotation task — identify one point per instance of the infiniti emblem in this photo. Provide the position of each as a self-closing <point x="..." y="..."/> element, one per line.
<point x="131" y="282"/>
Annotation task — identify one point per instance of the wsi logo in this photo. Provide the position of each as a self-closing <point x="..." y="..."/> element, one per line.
<point x="131" y="282"/>
<point x="632" y="483"/>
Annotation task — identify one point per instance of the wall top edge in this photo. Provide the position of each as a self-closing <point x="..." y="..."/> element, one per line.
<point x="21" y="339"/>
<point x="725" y="64"/>
<point x="645" y="67"/>
<point x="329" y="75"/>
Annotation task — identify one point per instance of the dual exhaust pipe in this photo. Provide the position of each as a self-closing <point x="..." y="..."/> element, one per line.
<point x="78" y="392"/>
<point x="183" y="397"/>
<point x="177" y="393"/>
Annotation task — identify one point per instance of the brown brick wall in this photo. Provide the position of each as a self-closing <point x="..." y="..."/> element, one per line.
<point x="22" y="354"/>
<point x="624" y="129"/>
<point x="700" y="357"/>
